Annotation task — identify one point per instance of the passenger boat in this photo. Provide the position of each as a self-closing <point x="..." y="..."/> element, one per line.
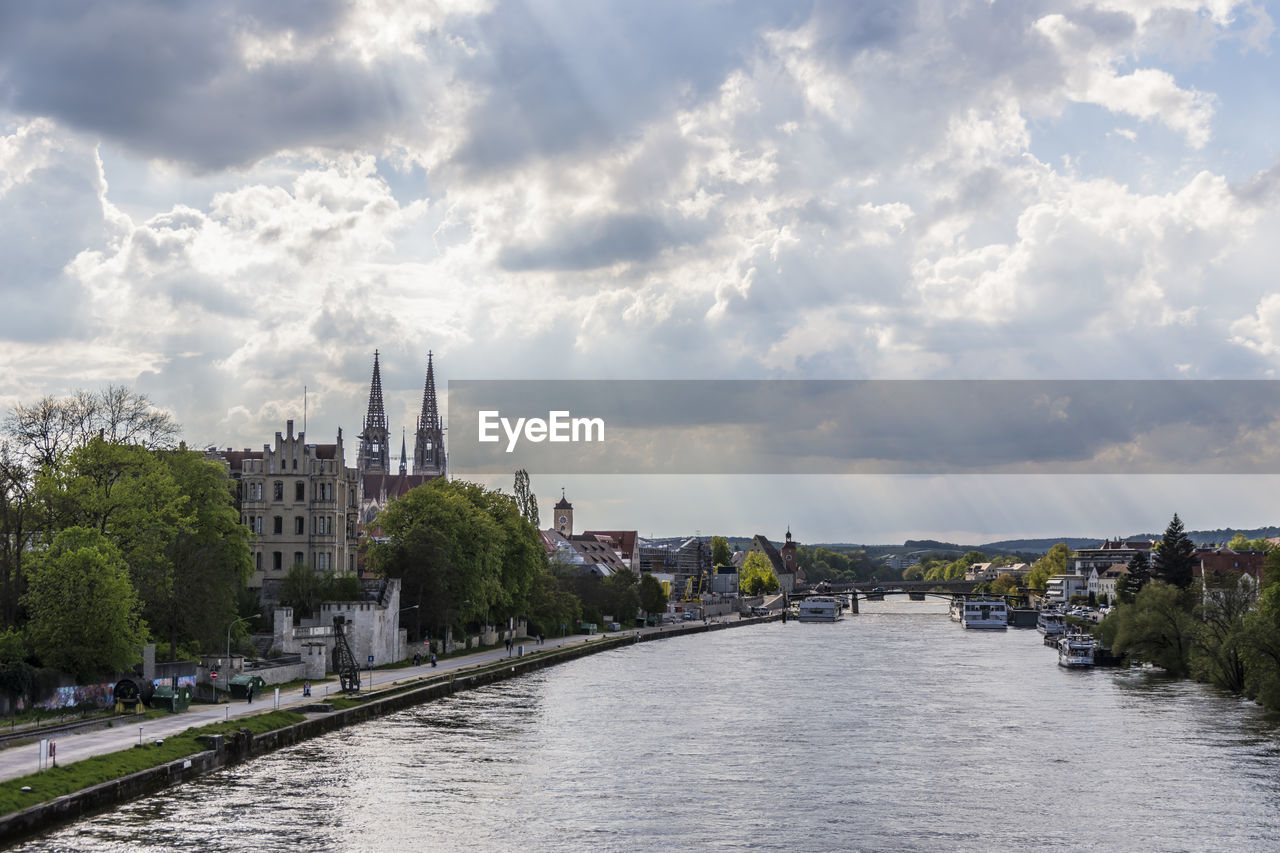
<point x="820" y="608"/>
<point x="1076" y="650"/>
<point x="980" y="612"/>
<point x="1051" y="623"/>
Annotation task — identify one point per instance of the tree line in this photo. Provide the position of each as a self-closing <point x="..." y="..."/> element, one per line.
<point x="112" y="534"/>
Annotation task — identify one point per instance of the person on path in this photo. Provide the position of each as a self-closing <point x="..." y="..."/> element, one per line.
<point x="249" y="693"/>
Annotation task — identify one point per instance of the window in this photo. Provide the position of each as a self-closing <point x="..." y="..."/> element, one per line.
<point x="255" y="491"/>
<point x="277" y="524"/>
<point x="299" y="491"/>
<point x="322" y="562"/>
<point x="257" y="524"/>
<point x="277" y="560"/>
<point x="277" y="490"/>
<point x="257" y="561"/>
<point x="295" y="464"/>
<point x="297" y="558"/>
<point x="299" y="526"/>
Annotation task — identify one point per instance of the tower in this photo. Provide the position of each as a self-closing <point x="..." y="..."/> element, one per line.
<point x="404" y="463"/>
<point x="374" y="455"/>
<point x="564" y="516"/>
<point x="428" y="440"/>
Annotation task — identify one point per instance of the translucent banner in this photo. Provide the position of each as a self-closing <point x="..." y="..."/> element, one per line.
<point x="864" y="427"/>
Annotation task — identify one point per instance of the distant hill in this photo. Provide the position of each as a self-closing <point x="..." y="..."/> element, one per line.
<point x="1040" y="546"/>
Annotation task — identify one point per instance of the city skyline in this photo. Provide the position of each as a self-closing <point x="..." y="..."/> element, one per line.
<point x="221" y="206"/>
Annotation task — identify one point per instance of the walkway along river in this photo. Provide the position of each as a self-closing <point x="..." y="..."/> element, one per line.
<point x="892" y="730"/>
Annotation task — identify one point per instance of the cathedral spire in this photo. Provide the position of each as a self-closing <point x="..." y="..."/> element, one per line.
<point x="428" y="444"/>
<point x="375" y="436"/>
<point x="404" y="461"/>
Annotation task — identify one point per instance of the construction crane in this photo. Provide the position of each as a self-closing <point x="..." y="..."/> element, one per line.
<point x="344" y="660"/>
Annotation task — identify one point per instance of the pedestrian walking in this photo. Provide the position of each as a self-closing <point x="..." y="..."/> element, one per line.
<point x="249" y="694"/>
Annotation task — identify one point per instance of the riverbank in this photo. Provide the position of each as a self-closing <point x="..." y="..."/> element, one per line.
<point x="321" y="717"/>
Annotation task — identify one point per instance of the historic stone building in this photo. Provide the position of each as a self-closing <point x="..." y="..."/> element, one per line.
<point x="300" y="501"/>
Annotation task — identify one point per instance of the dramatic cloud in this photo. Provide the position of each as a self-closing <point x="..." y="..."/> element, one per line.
<point x="222" y="205"/>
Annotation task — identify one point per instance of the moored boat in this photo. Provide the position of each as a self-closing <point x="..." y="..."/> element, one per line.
<point x="980" y="612"/>
<point x="820" y="608"/>
<point x="1051" y="623"/>
<point x="1076" y="650"/>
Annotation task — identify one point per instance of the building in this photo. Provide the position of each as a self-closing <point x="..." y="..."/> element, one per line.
<point x="623" y="541"/>
<point x="783" y="561"/>
<point x="379" y="484"/>
<point x="1060" y="588"/>
<point x="1216" y="565"/>
<point x="587" y="554"/>
<point x="563" y="516"/>
<point x="300" y="501"/>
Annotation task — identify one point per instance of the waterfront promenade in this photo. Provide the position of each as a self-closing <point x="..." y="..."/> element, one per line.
<point x="21" y="760"/>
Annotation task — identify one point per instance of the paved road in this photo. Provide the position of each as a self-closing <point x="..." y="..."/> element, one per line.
<point x="18" y="761"/>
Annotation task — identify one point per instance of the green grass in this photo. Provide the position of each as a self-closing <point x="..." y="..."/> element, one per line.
<point x="70" y="778"/>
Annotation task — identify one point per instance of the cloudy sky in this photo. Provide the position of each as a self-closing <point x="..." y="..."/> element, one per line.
<point x="221" y="204"/>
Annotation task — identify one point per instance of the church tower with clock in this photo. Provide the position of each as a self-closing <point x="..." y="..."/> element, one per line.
<point x="564" y="516"/>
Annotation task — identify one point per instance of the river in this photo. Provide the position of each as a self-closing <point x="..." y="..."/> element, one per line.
<point x="891" y="730"/>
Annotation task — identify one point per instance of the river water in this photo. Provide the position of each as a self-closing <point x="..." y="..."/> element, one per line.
<point x="891" y="730"/>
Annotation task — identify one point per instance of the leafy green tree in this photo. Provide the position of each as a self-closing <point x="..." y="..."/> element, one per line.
<point x="526" y="500"/>
<point x="210" y="557"/>
<point x="1051" y="564"/>
<point x="1156" y="628"/>
<point x="1219" y="654"/>
<point x="129" y="496"/>
<point x="85" y="614"/>
<point x="622" y="596"/>
<point x="301" y="589"/>
<point x="653" y="598"/>
<point x="17" y="533"/>
<point x="720" y="553"/>
<point x="913" y="573"/>
<point x="1175" y="556"/>
<point x="756" y="576"/>
<point x="551" y="605"/>
<point x="448" y="552"/>
<point x="1262" y="644"/>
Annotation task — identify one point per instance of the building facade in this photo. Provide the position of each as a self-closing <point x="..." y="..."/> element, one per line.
<point x="300" y="501"/>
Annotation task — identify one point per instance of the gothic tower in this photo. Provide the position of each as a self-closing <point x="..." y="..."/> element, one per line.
<point x="404" y="462"/>
<point x="375" y="454"/>
<point x="428" y="442"/>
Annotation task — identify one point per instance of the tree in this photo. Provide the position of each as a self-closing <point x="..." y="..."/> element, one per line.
<point x="720" y="553"/>
<point x="128" y="495"/>
<point x="210" y="557"/>
<point x="1156" y="627"/>
<point x="85" y="614"/>
<point x="1128" y="586"/>
<point x="1175" y="556"/>
<point x="1051" y="564"/>
<point x="17" y="534"/>
<point x="622" y="597"/>
<point x="526" y="501"/>
<point x="1218" y="656"/>
<point x="756" y="576"/>
<point x="52" y="427"/>
<point x="653" y="598"/>
<point x="302" y="590"/>
<point x="551" y="605"/>
<point x="448" y="552"/>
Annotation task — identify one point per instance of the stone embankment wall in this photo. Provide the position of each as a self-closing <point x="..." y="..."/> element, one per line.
<point x="225" y="750"/>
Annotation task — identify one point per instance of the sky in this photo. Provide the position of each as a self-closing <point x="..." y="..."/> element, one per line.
<point x="223" y="204"/>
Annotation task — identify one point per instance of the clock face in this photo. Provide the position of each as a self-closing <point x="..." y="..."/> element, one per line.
<point x="564" y="519"/>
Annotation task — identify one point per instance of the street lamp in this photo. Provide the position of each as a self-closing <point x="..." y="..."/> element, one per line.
<point x="228" y="669"/>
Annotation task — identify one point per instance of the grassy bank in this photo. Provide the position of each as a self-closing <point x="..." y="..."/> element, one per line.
<point x="62" y="780"/>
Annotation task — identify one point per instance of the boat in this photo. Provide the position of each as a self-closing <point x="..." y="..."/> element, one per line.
<point x="820" y="608"/>
<point x="1076" y="650"/>
<point x="876" y="594"/>
<point x="1051" y="623"/>
<point x="980" y="612"/>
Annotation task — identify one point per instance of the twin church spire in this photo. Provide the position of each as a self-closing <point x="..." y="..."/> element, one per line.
<point x="375" y="439"/>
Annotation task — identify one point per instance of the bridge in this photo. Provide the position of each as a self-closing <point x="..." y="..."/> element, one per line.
<point x="876" y="590"/>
